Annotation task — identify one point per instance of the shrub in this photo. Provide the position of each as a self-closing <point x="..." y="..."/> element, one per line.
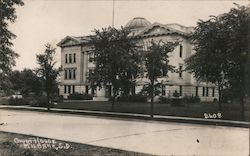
<point x="215" y="100"/>
<point x="164" y="99"/>
<point x="132" y="98"/>
<point x="37" y="101"/>
<point x="79" y="96"/>
<point x="16" y="101"/>
<point x="191" y="99"/>
<point x="58" y="98"/>
<point x="176" y="101"/>
<point x="176" y="94"/>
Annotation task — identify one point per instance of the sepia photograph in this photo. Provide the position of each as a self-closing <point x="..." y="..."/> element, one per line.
<point x="125" y="78"/>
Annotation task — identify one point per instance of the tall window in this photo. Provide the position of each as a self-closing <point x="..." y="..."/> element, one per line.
<point x="213" y="92"/>
<point x="70" y="74"/>
<point x="65" y="74"/>
<point x="207" y="93"/>
<point x="163" y="91"/>
<point x="74" y="73"/>
<point x="180" y="71"/>
<point x="70" y="58"/>
<point x="181" y="47"/>
<point x="65" y="89"/>
<point x="180" y="90"/>
<point x="73" y="89"/>
<point x="203" y="91"/>
<point x="69" y="89"/>
<point x="196" y="91"/>
<point x="74" y="57"/>
<point x="66" y="58"/>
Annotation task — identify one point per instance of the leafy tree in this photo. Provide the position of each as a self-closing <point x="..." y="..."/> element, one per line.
<point x="25" y="82"/>
<point x="157" y="64"/>
<point x="208" y="64"/>
<point x="7" y="55"/>
<point x="117" y="60"/>
<point x="48" y="72"/>
<point x="222" y="51"/>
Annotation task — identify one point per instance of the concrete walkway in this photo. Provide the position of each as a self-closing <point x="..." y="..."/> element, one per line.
<point x="160" y="138"/>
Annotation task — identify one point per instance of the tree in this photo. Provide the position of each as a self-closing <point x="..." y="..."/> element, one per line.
<point x="208" y="63"/>
<point x="157" y="64"/>
<point x="7" y="55"/>
<point x="48" y="72"/>
<point x="222" y="51"/>
<point x="25" y="82"/>
<point x="117" y="60"/>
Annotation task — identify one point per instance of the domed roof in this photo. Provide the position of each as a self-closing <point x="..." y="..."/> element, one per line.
<point x="138" y="22"/>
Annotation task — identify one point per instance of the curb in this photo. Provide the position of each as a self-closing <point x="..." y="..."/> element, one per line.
<point x="160" y="118"/>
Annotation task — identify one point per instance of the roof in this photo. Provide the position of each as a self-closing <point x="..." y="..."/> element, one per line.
<point x="138" y="22"/>
<point x="140" y="27"/>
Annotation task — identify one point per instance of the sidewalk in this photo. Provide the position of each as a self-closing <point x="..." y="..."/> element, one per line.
<point x="216" y="122"/>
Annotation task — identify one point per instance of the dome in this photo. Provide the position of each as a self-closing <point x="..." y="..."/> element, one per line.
<point x="138" y="22"/>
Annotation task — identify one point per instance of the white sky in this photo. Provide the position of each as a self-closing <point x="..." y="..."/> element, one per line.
<point x="42" y="21"/>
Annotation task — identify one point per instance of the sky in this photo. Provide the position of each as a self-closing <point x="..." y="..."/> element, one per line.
<point x="48" y="21"/>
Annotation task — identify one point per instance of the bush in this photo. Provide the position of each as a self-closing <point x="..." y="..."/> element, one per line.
<point x="79" y="96"/>
<point x="176" y="94"/>
<point x="191" y="99"/>
<point x="132" y="98"/>
<point x="58" y="98"/>
<point x="37" y="101"/>
<point x="17" y="101"/>
<point x="164" y="99"/>
<point x="176" y="101"/>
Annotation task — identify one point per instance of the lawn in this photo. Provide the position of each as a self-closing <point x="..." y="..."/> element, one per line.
<point x="229" y="111"/>
<point x="11" y="144"/>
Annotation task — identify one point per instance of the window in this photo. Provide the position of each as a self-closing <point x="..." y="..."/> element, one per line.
<point x="213" y="92"/>
<point x="65" y="74"/>
<point x="73" y="89"/>
<point x="180" y="90"/>
<point x="180" y="71"/>
<point x="66" y="58"/>
<point x="203" y="91"/>
<point x="163" y="91"/>
<point x="70" y="58"/>
<point x="196" y="91"/>
<point x="181" y="47"/>
<point x="65" y="89"/>
<point x="74" y="73"/>
<point x="74" y="57"/>
<point x="207" y="93"/>
<point x="69" y="89"/>
<point x="69" y="74"/>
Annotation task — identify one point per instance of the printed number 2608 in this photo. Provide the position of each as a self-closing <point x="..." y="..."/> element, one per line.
<point x="212" y="116"/>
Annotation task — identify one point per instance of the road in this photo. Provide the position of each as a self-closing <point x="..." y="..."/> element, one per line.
<point x="160" y="138"/>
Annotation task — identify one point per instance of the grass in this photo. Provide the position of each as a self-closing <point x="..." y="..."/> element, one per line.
<point x="229" y="111"/>
<point x="8" y="147"/>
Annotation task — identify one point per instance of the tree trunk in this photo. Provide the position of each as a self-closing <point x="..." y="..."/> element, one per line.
<point x="113" y="99"/>
<point x="152" y="99"/>
<point x="219" y="101"/>
<point x="242" y="108"/>
<point x="48" y="99"/>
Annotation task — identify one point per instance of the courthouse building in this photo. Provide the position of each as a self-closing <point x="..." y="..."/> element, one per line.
<point x="77" y="65"/>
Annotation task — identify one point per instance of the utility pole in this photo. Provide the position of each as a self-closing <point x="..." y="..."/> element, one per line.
<point x="113" y="15"/>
